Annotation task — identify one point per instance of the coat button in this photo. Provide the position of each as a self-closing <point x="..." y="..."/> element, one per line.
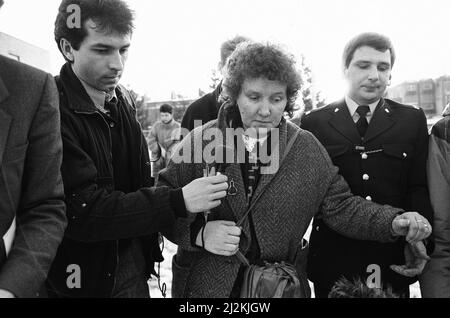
<point x="364" y="156"/>
<point x="317" y="228"/>
<point x="366" y="177"/>
<point x="369" y="198"/>
<point x="111" y="125"/>
<point x="84" y="205"/>
<point x="405" y="155"/>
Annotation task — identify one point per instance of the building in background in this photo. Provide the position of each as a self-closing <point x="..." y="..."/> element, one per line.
<point x="24" y="52"/>
<point x="431" y="95"/>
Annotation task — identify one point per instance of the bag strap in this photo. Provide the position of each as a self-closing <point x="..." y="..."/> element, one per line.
<point x="239" y="254"/>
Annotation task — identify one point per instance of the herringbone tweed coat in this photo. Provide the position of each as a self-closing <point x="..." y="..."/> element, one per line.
<point x="306" y="184"/>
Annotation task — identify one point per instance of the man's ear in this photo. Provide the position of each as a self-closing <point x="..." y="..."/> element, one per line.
<point x="66" y="49"/>
<point x="344" y="71"/>
<point x="389" y="81"/>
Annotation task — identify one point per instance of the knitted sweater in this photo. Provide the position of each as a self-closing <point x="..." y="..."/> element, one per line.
<point x="306" y="185"/>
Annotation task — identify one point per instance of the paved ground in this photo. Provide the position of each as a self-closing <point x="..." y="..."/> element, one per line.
<point x="166" y="275"/>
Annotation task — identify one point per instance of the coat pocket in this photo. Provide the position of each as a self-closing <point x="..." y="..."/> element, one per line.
<point x="180" y="275"/>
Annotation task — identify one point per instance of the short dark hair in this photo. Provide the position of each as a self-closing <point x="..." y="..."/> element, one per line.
<point x="112" y="16"/>
<point x="166" y="108"/>
<point x="229" y="46"/>
<point x="1" y="3"/>
<point x="371" y="39"/>
<point x="254" y="60"/>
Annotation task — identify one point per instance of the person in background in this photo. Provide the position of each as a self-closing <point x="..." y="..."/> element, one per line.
<point x="115" y="214"/>
<point x="435" y="280"/>
<point x="32" y="209"/>
<point x="163" y="138"/>
<point x="207" y="107"/>
<point x="380" y="147"/>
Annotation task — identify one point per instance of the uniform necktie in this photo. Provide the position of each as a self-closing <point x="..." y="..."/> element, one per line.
<point x="362" y="123"/>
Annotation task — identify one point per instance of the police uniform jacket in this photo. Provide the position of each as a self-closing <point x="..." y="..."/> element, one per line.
<point x="387" y="167"/>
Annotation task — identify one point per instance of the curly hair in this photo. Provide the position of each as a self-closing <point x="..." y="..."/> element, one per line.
<point x="112" y="16"/>
<point x="255" y="60"/>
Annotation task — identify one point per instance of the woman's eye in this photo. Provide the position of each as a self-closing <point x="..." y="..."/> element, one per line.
<point x="278" y="99"/>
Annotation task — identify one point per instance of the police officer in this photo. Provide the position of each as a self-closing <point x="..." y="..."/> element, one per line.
<point x="380" y="147"/>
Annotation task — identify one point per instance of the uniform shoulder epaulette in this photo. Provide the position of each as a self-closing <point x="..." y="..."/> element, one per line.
<point x="397" y="104"/>
<point x="315" y="110"/>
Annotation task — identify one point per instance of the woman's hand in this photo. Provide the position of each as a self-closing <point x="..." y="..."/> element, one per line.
<point x="220" y="237"/>
<point x="412" y="225"/>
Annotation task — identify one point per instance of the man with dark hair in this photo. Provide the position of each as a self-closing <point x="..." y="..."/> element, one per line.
<point x="163" y="137"/>
<point x="32" y="210"/>
<point x="111" y="242"/>
<point x="380" y="147"/>
<point x="207" y="107"/>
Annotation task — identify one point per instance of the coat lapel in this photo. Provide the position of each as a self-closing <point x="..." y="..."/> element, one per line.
<point x="5" y="120"/>
<point x="5" y="123"/>
<point x="343" y="122"/>
<point x="238" y="202"/>
<point x="3" y="91"/>
<point x="381" y="121"/>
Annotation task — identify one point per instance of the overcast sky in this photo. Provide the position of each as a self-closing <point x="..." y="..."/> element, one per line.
<point x="176" y="42"/>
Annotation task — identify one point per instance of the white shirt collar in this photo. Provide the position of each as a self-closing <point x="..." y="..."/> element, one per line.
<point x="352" y="105"/>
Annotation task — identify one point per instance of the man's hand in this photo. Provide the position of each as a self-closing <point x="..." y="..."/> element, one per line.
<point x="205" y="193"/>
<point x="220" y="237"/>
<point x="416" y="258"/>
<point x="6" y="294"/>
<point x="412" y="225"/>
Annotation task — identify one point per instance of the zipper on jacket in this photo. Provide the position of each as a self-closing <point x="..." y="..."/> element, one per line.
<point x="112" y="174"/>
<point x="109" y="134"/>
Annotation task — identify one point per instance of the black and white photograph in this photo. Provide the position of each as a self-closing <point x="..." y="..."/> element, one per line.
<point x="226" y="150"/>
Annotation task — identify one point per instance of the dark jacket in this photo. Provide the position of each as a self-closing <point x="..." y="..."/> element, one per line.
<point x="393" y="158"/>
<point x="306" y="184"/>
<point x="205" y="109"/>
<point x="31" y="188"/>
<point x="435" y="281"/>
<point x="99" y="216"/>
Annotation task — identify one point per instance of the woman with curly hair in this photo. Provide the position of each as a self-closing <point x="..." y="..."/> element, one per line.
<point x="279" y="176"/>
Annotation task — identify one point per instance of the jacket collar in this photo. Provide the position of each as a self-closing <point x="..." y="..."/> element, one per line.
<point x="77" y="98"/>
<point x="342" y="121"/>
<point x="5" y="119"/>
<point x="382" y="120"/>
